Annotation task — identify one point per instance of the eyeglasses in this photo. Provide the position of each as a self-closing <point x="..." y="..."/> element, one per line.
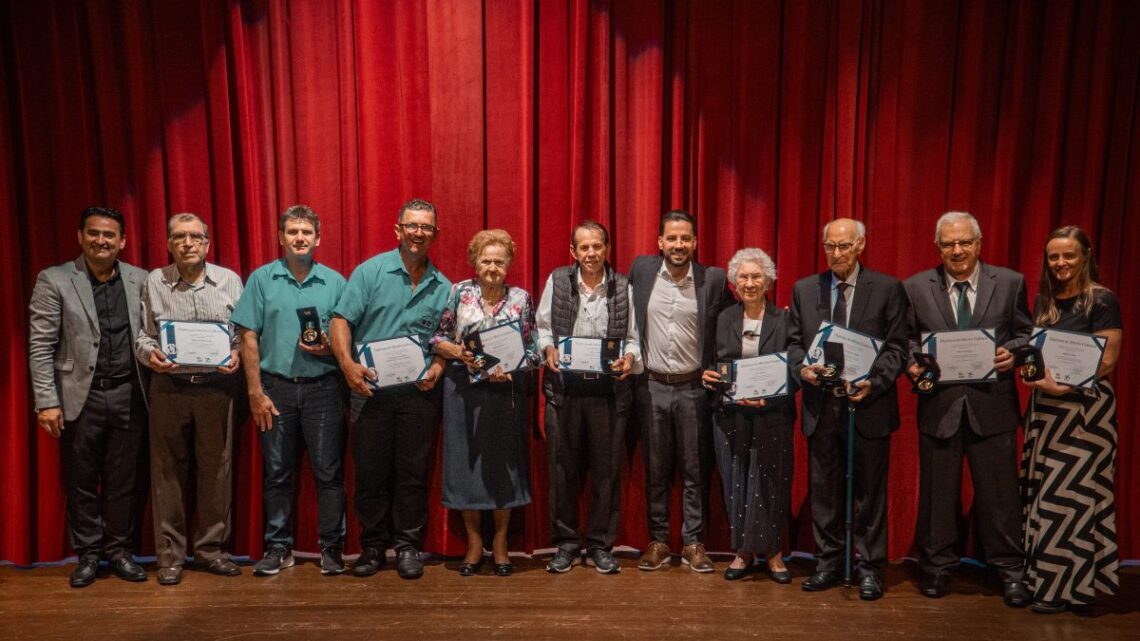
<point x="410" y="228"/>
<point x="194" y="237"/>
<point x="842" y="247"/>
<point x="950" y="245"/>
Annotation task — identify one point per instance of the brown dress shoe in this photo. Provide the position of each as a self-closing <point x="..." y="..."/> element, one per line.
<point x="221" y="567"/>
<point x="170" y="576"/>
<point x="656" y="556"/>
<point x="693" y="555"/>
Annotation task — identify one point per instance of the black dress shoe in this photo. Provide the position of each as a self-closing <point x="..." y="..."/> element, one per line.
<point x="369" y="562"/>
<point x="408" y="563"/>
<point x="783" y="577"/>
<point x="933" y="585"/>
<point x="1015" y="594"/>
<point x="735" y="574"/>
<point x="820" y="581"/>
<point x="471" y="569"/>
<point x="84" y="573"/>
<point x="128" y="570"/>
<point x="504" y="569"/>
<point x="169" y="576"/>
<point x="871" y="587"/>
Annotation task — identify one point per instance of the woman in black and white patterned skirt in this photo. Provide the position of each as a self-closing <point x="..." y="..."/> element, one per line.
<point x="1070" y="441"/>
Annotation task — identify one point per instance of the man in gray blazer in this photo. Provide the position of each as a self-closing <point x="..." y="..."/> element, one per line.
<point x="676" y="302"/>
<point x="975" y="420"/>
<point x="89" y="390"/>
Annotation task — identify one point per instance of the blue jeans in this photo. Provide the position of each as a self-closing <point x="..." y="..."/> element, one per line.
<point x="311" y="414"/>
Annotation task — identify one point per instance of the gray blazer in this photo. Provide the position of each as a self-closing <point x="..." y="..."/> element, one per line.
<point x="63" y="339"/>
<point x="1001" y="304"/>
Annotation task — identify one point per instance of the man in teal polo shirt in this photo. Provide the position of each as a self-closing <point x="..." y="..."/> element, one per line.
<point x="394" y="294"/>
<point x="295" y="393"/>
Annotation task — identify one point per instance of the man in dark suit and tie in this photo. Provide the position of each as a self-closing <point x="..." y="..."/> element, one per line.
<point x="975" y="420"/>
<point x="89" y="390"/>
<point x="676" y="302"/>
<point x="849" y="295"/>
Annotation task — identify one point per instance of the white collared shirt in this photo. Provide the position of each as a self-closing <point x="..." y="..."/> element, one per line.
<point x="672" y="345"/>
<point x="971" y="291"/>
<point x="593" y="318"/>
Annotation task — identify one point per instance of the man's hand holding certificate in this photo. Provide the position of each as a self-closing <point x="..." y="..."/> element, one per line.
<point x="859" y="351"/>
<point x="394" y="361"/>
<point x="196" y="343"/>
<point x="963" y="356"/>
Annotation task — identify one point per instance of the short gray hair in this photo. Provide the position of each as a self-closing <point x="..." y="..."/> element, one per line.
<point x="860" y="229"/>
<point x="756" y="256"/>
<point x="956" y="217"/>
<point x="186" y="217"/>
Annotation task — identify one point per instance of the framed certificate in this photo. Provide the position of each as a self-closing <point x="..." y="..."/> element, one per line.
<point x="502" y="344"/>
<point x="759" y="377"/>
<point x="964" y="356"/>
<point x="393" y="361"/>
<point x="581" y="354"/>
<point x="859" y="350"/>
<point x="1073" y="358"/>
<point x="195" y="342"/>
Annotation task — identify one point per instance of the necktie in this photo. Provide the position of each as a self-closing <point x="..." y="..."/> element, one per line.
<point x="839" y="314"/>
<point x="963" y="305"/>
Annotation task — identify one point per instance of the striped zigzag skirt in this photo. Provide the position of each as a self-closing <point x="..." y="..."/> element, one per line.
<point x="1067" y="473"/>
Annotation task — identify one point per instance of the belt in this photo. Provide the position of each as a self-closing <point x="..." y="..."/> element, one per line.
<point x="584" y="376"/>
<point x="674" y="379"/>
<point x="107" y="382"/>
<point x="299" y="380"/>
<point x="198" y="379"/>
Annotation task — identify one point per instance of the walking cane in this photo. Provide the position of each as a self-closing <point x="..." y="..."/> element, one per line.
<point x="848" y="524"/>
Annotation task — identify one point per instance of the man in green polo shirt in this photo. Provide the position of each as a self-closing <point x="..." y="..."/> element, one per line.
<point x="393" y="294"/>
<point x="295" y="392"/>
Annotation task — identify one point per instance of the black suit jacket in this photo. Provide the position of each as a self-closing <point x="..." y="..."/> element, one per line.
<point x="773" y="338"/>
<point x="878" y="309"/>
<point x="1001" y="305"/>
<point x="712" y="296"/>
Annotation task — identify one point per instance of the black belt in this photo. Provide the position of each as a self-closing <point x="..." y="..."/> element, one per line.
<point x="673" y="379"/>
<point x="107" y="382"/>
<point x="585" y="376"/>
<point x="299" y="380"/>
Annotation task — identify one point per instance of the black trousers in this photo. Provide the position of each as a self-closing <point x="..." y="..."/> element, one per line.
<point x="393" y="441"/>
<point x="827" y="462"/>
<point x="676" y="428"/>
<point x="997" y="502"/>
<point x="101" y="455"/>
<point x="585" y="430"/>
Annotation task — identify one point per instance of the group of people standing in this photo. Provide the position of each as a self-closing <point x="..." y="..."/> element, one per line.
<point x="101" y="378"/>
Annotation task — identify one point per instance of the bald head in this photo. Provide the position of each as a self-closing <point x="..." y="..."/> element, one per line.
<point x="843" y="241"/>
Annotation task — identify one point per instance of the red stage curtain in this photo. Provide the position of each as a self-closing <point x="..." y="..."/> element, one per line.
<point x="765" y="118"/>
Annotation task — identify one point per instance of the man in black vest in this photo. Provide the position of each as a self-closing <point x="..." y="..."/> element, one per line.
<point x="849" y="295"/>
<point x="676" y="302"/>
<point x="586" y="412"/>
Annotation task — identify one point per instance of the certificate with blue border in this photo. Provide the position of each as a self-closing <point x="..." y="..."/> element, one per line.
<point x="505" y="342"/>
<point x="393" y="361"/>
<point x="762" y="376"/>
<point x="581" y="354"/>
<point x="859" y="350"/>
<point x="964" y="355"/>
<point x="206" y="344"/>
<point x="1073" y="358"/>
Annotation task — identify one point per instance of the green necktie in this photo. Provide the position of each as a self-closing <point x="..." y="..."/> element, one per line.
<point x="963" y="305"/>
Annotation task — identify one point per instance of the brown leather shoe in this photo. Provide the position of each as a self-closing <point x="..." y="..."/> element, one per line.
<point x="170" y="576"/>
<point x="693" y="555"/>
<point x="221" y="567"/>
<point x="656" y="556"/>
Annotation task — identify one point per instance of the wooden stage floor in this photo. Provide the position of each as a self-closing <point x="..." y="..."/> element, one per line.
<point x="580" y="605"/>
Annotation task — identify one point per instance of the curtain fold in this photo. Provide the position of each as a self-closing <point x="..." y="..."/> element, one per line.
<point x="765" y="118"/>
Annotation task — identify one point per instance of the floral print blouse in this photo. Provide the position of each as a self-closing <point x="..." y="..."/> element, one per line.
<point x="464" y="315"/>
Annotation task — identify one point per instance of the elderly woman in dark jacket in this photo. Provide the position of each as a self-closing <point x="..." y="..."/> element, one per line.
<point x="753" y="438"/>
